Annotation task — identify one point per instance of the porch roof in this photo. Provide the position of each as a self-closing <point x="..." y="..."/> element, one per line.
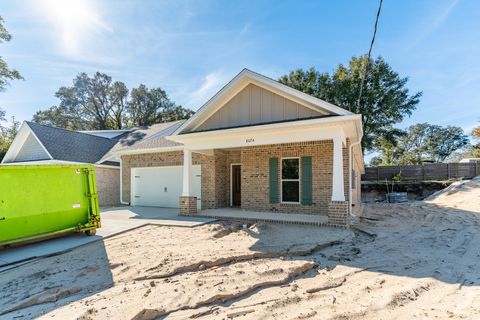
<point x="325" y="128"/>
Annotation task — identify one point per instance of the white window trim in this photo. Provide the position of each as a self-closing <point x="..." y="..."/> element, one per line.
<point x="299" y="181"/>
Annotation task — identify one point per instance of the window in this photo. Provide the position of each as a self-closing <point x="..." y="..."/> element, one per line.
<point x="291" y="180"/>
<point x="354" y="178"/>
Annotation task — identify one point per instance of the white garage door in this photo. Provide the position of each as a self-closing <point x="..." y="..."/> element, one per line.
<point x="162" y="186"/>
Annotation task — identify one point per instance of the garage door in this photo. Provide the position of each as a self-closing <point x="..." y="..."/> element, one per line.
<point x="162" y="186"/>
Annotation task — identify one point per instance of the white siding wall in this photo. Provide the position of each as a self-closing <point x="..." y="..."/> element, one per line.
<point x="255" y="105"/>
<point x="31" y="150"/>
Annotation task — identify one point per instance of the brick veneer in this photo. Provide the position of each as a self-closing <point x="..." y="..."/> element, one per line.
<point x="188" y="205"/>
<point x="215" y="180"/>
<point x="255" y="168"/>
<point x="338" y="213"/>
<point x="108" y="186"/>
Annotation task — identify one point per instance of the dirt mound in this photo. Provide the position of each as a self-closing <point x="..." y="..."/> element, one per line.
<point x="461" y="194"/>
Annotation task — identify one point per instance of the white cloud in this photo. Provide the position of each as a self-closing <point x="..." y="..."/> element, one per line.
<point x="212" y="83"/>
<point x="435" y="22"/>
<point x="74" y="25"/>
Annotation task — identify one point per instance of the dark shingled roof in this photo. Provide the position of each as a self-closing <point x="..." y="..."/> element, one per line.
<point x="69" y="145"/>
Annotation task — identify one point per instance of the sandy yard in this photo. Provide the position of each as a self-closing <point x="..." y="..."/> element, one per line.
<point x="417" y="260"/>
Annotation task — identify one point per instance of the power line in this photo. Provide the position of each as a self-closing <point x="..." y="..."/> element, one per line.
<point x="369" y="53"/>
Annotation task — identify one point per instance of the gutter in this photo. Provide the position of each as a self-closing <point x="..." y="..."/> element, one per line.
<point x="148" y="150"/>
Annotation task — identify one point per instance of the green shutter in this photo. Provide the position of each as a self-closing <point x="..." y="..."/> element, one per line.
<point x="306" y="179"/>
<point x="273" y="180"/>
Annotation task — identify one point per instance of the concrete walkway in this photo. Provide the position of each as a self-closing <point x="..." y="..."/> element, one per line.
<point x="114" y="221"/>
<point x="239" y="214"/>
<point x="151" y="215"/>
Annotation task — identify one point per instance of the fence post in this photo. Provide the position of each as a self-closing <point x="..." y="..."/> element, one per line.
<point x="448" y="172"/>
<point x="378" y="173"/>
<point x="423" y="171"/>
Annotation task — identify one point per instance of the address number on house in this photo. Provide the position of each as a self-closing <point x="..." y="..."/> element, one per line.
<point x="249" y="140"/>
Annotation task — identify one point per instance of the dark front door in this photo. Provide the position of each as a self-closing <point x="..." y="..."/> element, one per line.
<point x="236" y="185"/>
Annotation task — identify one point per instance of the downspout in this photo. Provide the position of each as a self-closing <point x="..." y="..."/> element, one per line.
<point x="350" y="161"/>
<point x="121" y="184"/>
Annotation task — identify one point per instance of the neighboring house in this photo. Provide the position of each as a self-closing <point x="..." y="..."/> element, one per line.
<point x="257" y="145"/>
<point x="40" y="144"/>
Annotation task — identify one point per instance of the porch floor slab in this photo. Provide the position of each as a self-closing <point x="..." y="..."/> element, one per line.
<point x="239" y="214"/>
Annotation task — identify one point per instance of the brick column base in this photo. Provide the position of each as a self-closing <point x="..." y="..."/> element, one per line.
<point x="338" y="213"/>
<point x="188" y="205"/>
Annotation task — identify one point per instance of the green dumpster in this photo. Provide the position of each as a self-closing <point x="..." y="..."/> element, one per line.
<point x="43" y="201"/>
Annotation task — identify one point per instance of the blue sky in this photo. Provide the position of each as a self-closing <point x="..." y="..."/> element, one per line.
<point x="192" y="48"/>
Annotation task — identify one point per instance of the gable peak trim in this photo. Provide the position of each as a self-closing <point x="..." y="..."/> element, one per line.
<point x="241" y="81"/>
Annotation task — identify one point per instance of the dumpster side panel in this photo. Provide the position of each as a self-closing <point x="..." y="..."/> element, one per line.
<point x="39" y="200"/>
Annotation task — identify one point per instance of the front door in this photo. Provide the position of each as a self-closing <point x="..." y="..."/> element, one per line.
<point x="236" y="185"/>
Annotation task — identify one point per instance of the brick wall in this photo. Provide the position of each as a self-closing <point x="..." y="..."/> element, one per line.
<point x="255" y="168"/>
<point x="338" y="213"/>
<point x="188" y="205"/>
<point x="108" y="186"/>
<point x="255" y="181"/>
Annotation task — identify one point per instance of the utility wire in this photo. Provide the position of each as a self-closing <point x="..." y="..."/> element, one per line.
<point x="362" y="81"/>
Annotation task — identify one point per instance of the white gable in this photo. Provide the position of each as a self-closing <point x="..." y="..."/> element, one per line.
<point x="31" y="150"/>
<point x="243" y="99"/>
<point x="26" y="147"/>
<point x="256" y="105"/>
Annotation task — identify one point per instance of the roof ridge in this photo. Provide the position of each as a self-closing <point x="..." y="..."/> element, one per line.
<point x="68" y="130"/>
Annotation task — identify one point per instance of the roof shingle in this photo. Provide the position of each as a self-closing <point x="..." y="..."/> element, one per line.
<point x="69" y="145"/>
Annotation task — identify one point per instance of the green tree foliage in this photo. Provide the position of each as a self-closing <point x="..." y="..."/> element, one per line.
<point x="148" y="106"/>
<point x="7" y="134"/>
<point x="476" y="136"/>
<point x="98" y="103"/>
<point x="471" y="150"/>
<point x="422" y="142"/>
<point x="385" y="100"/>
<point x="8" y="131"/>
<point x="6" y="74"/>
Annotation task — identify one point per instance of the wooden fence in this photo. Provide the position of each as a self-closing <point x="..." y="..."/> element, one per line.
<point x="433" y="171"/>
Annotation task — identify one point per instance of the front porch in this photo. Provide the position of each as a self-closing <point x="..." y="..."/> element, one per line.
<point x="303" y="182"/>
<point x="283" y="172"/>
<point x="244" y="215"/>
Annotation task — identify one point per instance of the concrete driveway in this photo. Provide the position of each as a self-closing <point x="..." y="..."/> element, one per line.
<point x="114" y="221"/>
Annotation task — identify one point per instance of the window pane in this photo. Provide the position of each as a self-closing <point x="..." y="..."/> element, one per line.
<point x="290" y="168"/>
<point x="290" y="191"/>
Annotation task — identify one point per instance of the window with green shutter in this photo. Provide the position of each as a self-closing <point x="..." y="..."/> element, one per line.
<point x="273" y="180"/>
<point x="306" y="178"/>
<point x="290" y="180"/>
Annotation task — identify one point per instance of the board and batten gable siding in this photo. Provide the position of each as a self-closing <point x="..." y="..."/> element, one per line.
<point x="31" y="150"/>
<point x="256" y="105"/>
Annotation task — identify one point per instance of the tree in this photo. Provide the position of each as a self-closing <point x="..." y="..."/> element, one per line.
<point x="385" y="100"/>
<point x="7" y="134"/>
<point x="148" y="106"/>
<point x="476" y="133"/>
<point x="62" y="117"/>
<point x="6" y="74"/>
<point x="423" y="142"/>
<point x="99" y="103"/>
<point x="388" y="144"/>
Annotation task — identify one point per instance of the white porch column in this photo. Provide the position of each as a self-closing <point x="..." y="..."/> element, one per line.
<point x="187" y="173"/>
<point x="338" y="193"/>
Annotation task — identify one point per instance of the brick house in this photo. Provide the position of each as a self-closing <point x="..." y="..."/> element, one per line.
<point x="257" y="145"/>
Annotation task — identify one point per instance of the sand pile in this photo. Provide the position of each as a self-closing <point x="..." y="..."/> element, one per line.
<point x="400" y="261"/>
